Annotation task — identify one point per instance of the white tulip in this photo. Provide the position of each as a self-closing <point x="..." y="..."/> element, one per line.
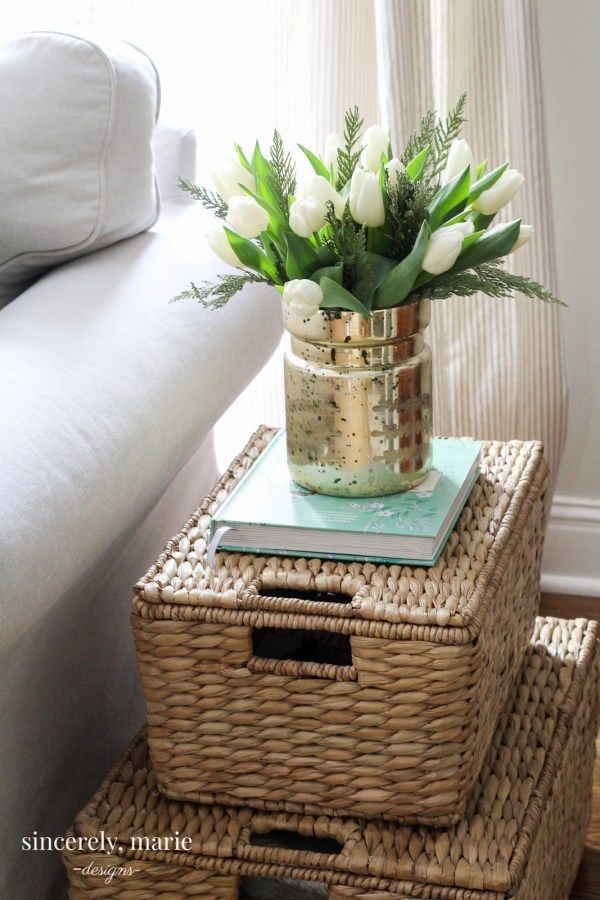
<point x="525" y="234"/>
<point x="375" y="142"/>
<point x="228" y="176"/>
<point x="366" y="199"/>
<point x="465" y="228"/>
<point x="394" y="168"/>
<point x="333" y="143"/>
<point x="444" y="247"/>
<point x="246" y="216"/>
<point x="322" y="191"/>
<point x="308" y="213"/>
<point x="306" y="217"/>
<point x="459" y="157"/>
<point x="303" y="296"/>
<point x="218" y="242"/>
<point x="500" y="193"/>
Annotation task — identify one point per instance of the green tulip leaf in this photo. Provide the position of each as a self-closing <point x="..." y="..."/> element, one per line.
<point x="316" y="162"/>
<point x="379" y="269"/>
<point x="337" y="297"/>
<point x="481" y="220"/>
<point x="471" y="239"/>
<point x="262" y="172"/>
<point x="491" y="246"/>
<point x="271" y="251"/>
<point x="325" y="256"/>
<point x="481" y="168"/>
<point x="398" y="283"/>
<point x="250" y="255"/>
<point x="336" y="273"/>
<point x="488" y="181"/>
<point x="414" y="169"/>
<point x="301" y="259"/>
<point x="450" y="200"/>
<point x="276" y="216"/>
<point x="242" y="157"/>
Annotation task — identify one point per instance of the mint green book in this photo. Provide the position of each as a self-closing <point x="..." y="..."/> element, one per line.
<point x="269" y="514"/>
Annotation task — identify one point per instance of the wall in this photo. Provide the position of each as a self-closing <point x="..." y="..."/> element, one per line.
<point x="569" y="40"/>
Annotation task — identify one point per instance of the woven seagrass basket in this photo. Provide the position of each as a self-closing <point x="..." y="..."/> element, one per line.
<point x="339" y="687"/>
<point x="522" y="835"/>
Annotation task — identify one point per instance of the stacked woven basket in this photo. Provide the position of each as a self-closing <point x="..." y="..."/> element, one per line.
<point x="389" y="732"/>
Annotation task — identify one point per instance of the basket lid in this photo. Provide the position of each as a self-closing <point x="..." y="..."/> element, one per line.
<point x="454" y="593"/>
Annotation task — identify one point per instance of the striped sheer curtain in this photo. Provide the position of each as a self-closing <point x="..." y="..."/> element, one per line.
<point x="498" y="365"/>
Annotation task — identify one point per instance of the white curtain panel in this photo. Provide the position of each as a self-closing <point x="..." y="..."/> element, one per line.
<point x="498" y="364"/>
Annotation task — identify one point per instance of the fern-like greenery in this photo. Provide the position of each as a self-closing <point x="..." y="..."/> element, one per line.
<point x="407" y="211"/>
<point x="282" y="174"/>
<point x="438" y="135"/>
<point x="349" y="154"/>
<point x="421" y="138"/>
<point x="213" y="296"/>
<point x="209" y="199"/>
<point x="348" y="243"/>
<point x="490" y="279"/>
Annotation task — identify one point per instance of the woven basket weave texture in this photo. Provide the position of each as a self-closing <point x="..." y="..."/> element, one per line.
<point x="398" y="729"/>
<point x="522" y="835"/>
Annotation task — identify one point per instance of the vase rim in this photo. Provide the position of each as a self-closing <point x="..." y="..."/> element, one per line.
<point x="345" y="327"/>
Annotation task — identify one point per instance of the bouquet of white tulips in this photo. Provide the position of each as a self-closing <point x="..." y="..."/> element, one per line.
<point x="369" y="229"/>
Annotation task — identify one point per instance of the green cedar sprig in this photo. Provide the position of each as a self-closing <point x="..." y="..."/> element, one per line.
<point x="407" y="211"/>
<point x="213" y="296"/>
<point x="282" y="174"/>
<point x="209" y="199"/>
<point x="437" y="134"/>
<point x="348" y="243"/>
<point x="349" y="154"/>
<point x="490" y="279"/>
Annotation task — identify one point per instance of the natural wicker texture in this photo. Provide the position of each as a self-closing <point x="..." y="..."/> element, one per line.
<point x="400" y="727"/>
<point x="522" y="836"/>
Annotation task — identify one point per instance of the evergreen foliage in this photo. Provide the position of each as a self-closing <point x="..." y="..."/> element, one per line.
<point x="213" y="296"/>
<point x="209" y="199"/>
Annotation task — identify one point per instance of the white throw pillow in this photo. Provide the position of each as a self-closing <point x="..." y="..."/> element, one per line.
<point x="76" y="165"/>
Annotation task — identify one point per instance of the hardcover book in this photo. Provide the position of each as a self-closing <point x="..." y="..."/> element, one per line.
<point x="269" y="514"/>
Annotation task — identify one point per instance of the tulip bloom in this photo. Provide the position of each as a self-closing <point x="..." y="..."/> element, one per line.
<point x="323" y="192"/>
<point x="308" y="214"/>
<point x="219" y="244"/>
<point x="228" y="176"/>
<point x="366" y="199"/>
<point x="459" y="157"/>
<point x="303" y="296"/>
<point x="500" y="193"/>
<point x="375" y="142"/>
<point x="444" y="247"/>
<point x="306" y="217"/>
<point x="394" y="168"/>
<point x="525" y="234"/>
<point x="247" y="217"/>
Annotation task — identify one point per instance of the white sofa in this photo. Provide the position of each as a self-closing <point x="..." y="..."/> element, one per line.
<point x="108" y="398"/>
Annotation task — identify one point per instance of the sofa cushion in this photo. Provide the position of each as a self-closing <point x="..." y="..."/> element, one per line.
<point x="77" y="170"/>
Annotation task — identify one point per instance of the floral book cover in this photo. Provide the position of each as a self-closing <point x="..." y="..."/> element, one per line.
<point x="268" y="498"/>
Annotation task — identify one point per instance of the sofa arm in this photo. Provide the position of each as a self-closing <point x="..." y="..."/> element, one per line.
<point x="174" y="156"/>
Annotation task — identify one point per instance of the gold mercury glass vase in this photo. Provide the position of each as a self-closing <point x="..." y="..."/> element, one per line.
<point x="358" y="400"/>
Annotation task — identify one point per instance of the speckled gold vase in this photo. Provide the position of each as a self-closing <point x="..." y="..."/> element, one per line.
<point x="358" y="400"/>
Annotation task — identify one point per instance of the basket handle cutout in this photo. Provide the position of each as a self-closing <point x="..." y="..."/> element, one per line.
<point x="280" y="839"/>
<point x="302" y="652"/>
<point x="309" y="594"/>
